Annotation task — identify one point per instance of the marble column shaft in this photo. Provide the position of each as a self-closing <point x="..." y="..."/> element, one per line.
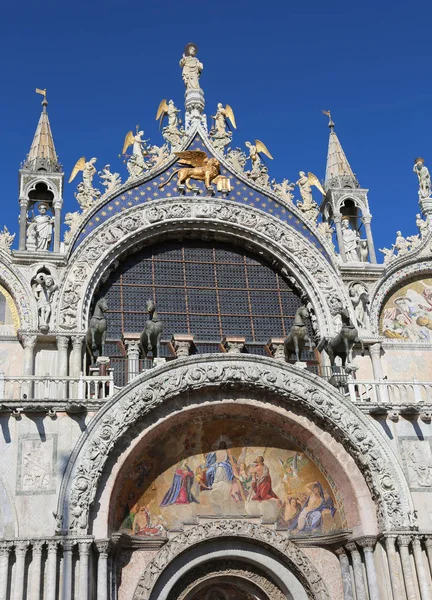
<point x="68" y="546"/>
<point x="51" y="572"/>
<point x="23" y="224"/>
<point x="367" y="223"/>
<point x="102" y="570"/>
<point x="62" y="362"/>
<point x="36" y="568"/>
<point x="346" y="574"/>
<point x="425" y="590"/>
<point x="57" y="225"/>
<point x="20" y="556"/>
<point x="361" y="593"/>
<point x="5" y="549"/>
<point x="84" y="549"/>
<point x="428" y="544"/>
<point x="368" y="552"/>
<point x="396" y="577"/>
<point x="403" y="542"/>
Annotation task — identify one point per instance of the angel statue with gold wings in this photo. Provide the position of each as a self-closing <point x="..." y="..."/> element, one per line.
<point x="220" y="135"/>
<point x="308" y="207"/>
<point x="172" y="133"/>
<point x="135" y="164"/>
<point x="86" y="194"/>
<point x="255" y="151"/>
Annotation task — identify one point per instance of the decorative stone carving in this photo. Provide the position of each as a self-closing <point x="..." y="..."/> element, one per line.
<point x="419" y="463"/>
<point x="72" y="220"/>
<point x="308" y="206"/>
<point x="234" y="344"/>
<point x="159" y="154"/>
<point x="237" y="159"/>
<point x="276" y="347"/>
<point x="359" y="295"/>
<point x="402" y="245"/>
<point x="44" y="288"/>
<point x="6" y="239"/>
<point x="182" y="344"/>
<point x="424" y="179"/>
<point x="135" y="163"/>
<point x="422" y="225"/>
<point x="172" y="133"/>
<point x="327" y="232"/>
<point x="219" y="134"/>
<point x="313" y="395"/>
<point x="86" y="194"/>
<point x="284" y="190"/>
<point x="111" y="181"/>
<point x="286" y="550"/>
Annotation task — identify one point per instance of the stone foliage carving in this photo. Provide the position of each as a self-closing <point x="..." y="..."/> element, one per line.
<point x="316" y="269"/>
<point x="28" y="318"/>
<point x="284" y="190"/>
<point x="230" y="569"/>
<point x="6" y="239"/>
<point x="286" y="549"/>
<point x="313" y="395"/>
<point x="111" y="181"/>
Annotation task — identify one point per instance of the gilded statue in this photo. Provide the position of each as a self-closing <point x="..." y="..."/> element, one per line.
<point x="423" y="178"/>
<point x="221" y="134"/>
<point x="254" y="153"/>
<point x="200" y="167"/>
<point x="135" y="164"/>
<point x="191" y="67"/>
<point x="172" y="133"/>
<point x="86" y="194"/>
<point x="308" y="206"/>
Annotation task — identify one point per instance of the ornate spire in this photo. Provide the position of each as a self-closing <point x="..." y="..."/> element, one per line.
<point x="338" y="171"/>
<point x="42" y="155"/>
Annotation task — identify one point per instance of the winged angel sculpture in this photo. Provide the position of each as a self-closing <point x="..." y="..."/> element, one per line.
<point x="259" y="171"/>
<point x="199" y="167"/>
<point x="172" y="133"/>
<point x="135" y="164"/>
<point x="308" y="207"/>
<point x="220" y="135"/>
<point x="86" y="194"/>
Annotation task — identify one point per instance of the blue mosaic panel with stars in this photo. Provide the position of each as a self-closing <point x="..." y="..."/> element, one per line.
<point x="241" y="193"/>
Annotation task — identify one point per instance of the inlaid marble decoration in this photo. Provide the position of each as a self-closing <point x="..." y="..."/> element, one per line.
<point x="407" y="315"/>
<point x="36" y="460"/>
<point x="224" y="468"/>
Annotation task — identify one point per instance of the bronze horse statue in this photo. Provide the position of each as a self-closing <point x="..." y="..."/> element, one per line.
<point x="96" y="333"/>
<point x="342" y="343"/>
<point x="150" y="337"/>
<point x="298" y="337"/>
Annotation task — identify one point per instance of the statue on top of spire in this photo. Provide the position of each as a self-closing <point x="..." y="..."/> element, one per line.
<point x="191" y="67"/>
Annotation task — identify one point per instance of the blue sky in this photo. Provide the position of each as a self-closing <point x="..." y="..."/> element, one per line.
<point x="107" y="65"/>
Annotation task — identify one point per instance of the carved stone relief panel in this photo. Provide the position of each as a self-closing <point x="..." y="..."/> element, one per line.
<point x="417" y="458"/>
<point x="36" y="462"/>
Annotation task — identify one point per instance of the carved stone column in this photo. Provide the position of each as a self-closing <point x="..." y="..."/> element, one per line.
<point x="182" y="344"/>
<point x="233" y="344"/>
<point x="36" y="567"/>
<point x="68" y="546"/>
<point x="276" y="347"/>
<point x="20" y="556"/>
<point x="403" y="543"/>
<point x="57" y="225"/>
<point x="367" y="223"/>
<point x="22" y="224"/>
<point x="337" y="219"/>
<point x="62" y="363"/>
<point x="361" y="593"/>
<point x="428" y="544"/>
<point x="51" y="571"/>
<point x="102" y="570"/>
<point x="29" y="343"/>
<point x="133" y="352"/>
<point x="425" y="590"/>
<point x="5" y="549"/>
<point x="368" y="545"/>
<point x="77" y="351"/>
<point x="395" y="573"/>
<point x="346" y="575"/>
<point x="84" y="549"/>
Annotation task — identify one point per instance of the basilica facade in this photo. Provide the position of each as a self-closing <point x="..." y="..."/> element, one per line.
<point x="210" y="388"/>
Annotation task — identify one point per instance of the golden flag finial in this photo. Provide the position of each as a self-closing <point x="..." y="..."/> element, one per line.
<point x="327" y="113"/>
<point x="44" y="94"/>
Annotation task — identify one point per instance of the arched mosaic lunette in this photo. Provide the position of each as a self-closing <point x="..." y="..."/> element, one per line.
<point x="280" y="545"/>
<point x="308" y="392"/>
<point x="278" y="241"/>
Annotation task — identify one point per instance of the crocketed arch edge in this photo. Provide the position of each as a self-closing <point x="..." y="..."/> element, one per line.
<point x="284" y="549"/>
<point x="314" y="396"/>
<point x="147" y="223"/>
<point x="21" y="295"/>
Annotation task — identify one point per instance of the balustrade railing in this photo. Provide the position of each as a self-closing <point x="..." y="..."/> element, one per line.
<point x="389" y="393"/>
<point x="50" y="388"/>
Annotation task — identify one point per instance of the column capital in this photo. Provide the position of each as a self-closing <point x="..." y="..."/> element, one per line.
<point x="28" y="340"/>
<point x="276" y="347"/>
<point x="337" y="219"/>
<point x="5" y="548"/>
<point x="404" y="540"/>
<point x="68" y="545"/>
<point x="233" y="344"/>
<point x="352" y="547"/>
<point x="367" y="543"/>
<point x="428" y="542"/>
<point x="77" y="340"/>
<point x="21" y="547"/>
<point x="416" y="542"/>
<point x="367" y="218"/>
<point x="182" y="344"/>
<point x="103" y="547"/>
<point x="52" y="546"/>
<point x="375" y="350"/>
<point x="341" y="552"/>
<point x="132" y="348"/>
<point x="84" y="547"/>
<point x="62" y="342"/>
<point x="23" y="202"/>
<point x="37" y="546"/>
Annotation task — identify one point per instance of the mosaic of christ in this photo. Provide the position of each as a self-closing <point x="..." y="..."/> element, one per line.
<point x="225" y="468"/>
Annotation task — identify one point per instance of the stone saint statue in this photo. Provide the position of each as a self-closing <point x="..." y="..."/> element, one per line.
<point x="43" y="287"/>
<point x="191" y="67"/>
<point x="40" y="230"/>
<point x="351" y="241"/>
<point x="423" y="177"/>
